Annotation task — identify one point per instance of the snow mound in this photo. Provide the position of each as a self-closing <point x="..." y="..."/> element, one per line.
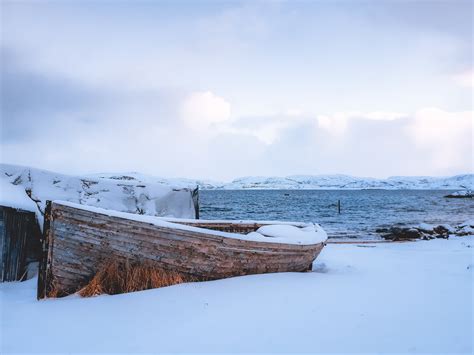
<point x="127" y="195"/>
<point x="311" y="233"/>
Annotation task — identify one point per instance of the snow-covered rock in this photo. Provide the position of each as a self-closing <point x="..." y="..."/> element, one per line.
<point x="466" y="228"/>
<point x="133" y="195"/>
<point x="426" y="231"/>
<point x="461" y="194"/>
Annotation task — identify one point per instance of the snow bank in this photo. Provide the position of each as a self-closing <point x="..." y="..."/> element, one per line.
<point x="128" y="195"/>
<point x="288" y="234"/>
<point x="15" y="197"/>
<point x="380" y="298"/>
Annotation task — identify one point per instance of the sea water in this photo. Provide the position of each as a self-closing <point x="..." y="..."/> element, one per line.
<point x="361" y="211"/>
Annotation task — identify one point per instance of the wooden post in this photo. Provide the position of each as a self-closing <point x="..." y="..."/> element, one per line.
<point x="43" y="287"/>
<point x="195" y="197"/>
<point x="339" y="206"/>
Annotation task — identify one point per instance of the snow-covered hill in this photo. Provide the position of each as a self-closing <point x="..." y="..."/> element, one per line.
<point x="312" y="182"/>
<point x="133" y="194"/>
<point x="347" y="182"/>
<point x="293" y="182"/>
<point x="176" y="182"/>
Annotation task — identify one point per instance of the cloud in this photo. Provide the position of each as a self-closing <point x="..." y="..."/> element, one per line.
<point x="201" y="109"/>
<point x="378" y="143"/>
<point x="337" y="123"/>
<point x="54" y="122"/>
<point x="267" y="128"/>
<point x="32" y="100"/>
<point x="466" y="78"/>
<point x="445" y="137"/>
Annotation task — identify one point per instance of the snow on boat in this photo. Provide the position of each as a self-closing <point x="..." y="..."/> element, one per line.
<point x="78" y="238"/>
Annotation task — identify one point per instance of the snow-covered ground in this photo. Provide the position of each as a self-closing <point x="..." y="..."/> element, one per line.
<point x="395" y="297"/>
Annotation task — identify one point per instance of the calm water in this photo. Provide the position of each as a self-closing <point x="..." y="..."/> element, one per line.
<point x="361" y="211"/>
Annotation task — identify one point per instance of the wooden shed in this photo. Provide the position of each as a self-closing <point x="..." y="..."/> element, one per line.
<point x="19" y="242"/>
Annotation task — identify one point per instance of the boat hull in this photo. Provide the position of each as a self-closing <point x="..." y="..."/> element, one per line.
<point x="78" y="241"/>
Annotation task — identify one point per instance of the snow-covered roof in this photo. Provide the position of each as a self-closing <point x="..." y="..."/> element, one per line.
<point x="15" y="197"/>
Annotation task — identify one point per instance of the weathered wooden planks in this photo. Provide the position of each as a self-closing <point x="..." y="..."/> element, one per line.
<point x="77" y="241"/>
<point x="19" y="242"/>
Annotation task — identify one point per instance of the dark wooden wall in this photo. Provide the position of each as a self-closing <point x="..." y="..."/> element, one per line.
<point x="19" y="242"/>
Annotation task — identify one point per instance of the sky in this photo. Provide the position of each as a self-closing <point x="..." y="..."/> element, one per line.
<point x="223" y="89"/>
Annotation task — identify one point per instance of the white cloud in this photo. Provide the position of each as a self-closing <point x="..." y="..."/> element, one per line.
<point x="465" y="78"/>
<point x="201" y="109"/>
<point x="294" y="112"/>
<point x="267" y="128"/>
<point x="337" y="123"/>
<point x="445" y="136"/>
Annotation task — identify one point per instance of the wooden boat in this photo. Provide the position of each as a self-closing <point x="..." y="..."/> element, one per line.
<point x="77" y="239"/>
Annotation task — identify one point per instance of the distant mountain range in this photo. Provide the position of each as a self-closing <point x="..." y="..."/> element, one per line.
<point x="321" y="182"/>
<point x="314" y="182"/>
<point x="294" y="182"/>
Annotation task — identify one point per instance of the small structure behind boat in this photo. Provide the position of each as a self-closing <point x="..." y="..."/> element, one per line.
<point x="19" y="233"/>
<point x="19" y="243"/>
<point x="79" y="239"/>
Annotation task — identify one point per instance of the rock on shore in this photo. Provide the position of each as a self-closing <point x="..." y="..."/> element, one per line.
<point x="426" y="231"/>
<point x="461" y="194"/>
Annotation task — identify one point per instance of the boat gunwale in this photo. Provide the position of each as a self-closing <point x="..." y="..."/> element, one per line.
<point x="186" y="229"/>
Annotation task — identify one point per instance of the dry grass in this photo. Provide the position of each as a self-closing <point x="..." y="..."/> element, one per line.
<point x="120" y="277"/>
<point x="53" y="293"/>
